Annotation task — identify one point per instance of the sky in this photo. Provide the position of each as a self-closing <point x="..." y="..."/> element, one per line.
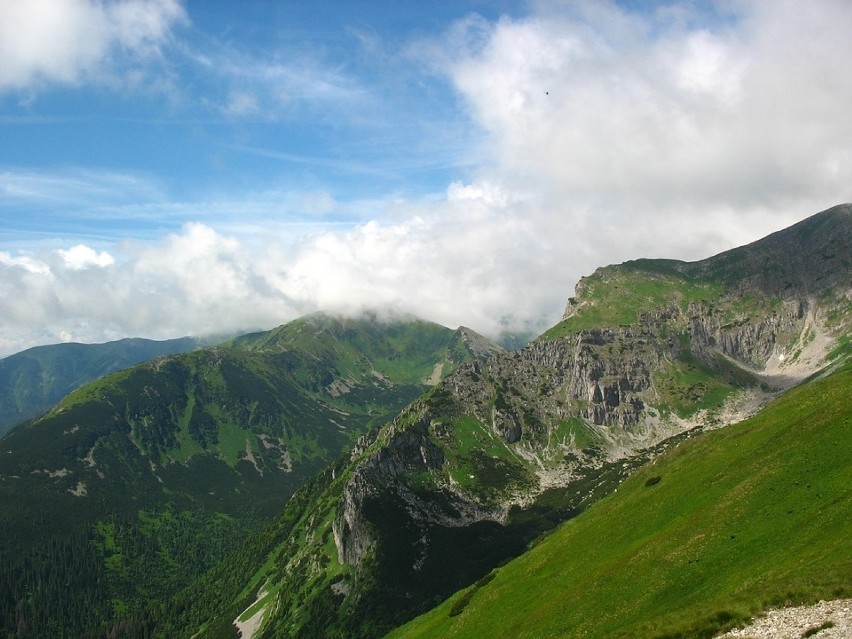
<point x="173" y="168"/>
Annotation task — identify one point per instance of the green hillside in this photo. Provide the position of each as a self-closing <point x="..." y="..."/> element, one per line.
<point x="35" y="379"/>
<point x="139" y="482"/>
<point x="755" y="515"/>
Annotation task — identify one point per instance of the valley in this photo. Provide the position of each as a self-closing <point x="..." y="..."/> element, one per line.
<point x="346" y="477"/>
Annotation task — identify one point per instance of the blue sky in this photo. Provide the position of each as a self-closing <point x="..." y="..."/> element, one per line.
<point x="240" y="100"/>
<point x="172" y="168"/>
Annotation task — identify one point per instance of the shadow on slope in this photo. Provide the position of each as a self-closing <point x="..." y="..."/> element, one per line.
<point x="752" y="516"/>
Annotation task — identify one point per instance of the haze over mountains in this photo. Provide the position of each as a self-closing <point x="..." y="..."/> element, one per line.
<point x="427" y="457"/>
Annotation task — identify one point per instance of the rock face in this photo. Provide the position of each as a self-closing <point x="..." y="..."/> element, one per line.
<point x="751" y="341"/>
<point x="506" y="446"/>
<point x="407" y="453"/>
<point x="602" y="393"/>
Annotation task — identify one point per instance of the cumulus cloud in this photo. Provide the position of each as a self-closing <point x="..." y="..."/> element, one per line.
<point x="637" y="115"/>
<point x="440" y="263"/>
<point x="193" y="282"/>
<point x="69" y="41"/>
<point x="612" y="135"/>
<point x="80" y="257"/>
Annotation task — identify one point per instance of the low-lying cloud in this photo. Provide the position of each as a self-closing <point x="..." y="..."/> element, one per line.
<point x="612" y="135"/>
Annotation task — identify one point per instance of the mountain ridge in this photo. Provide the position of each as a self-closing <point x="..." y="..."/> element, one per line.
<point x="213" y="441"/>
<point x="503" y="449"/>
<point x="33" y="380"/>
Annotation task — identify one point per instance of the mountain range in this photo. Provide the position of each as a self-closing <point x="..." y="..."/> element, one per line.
<point x="33" y="380"/>
<point x="337" y="478"/>
<point x="138" y="482"/>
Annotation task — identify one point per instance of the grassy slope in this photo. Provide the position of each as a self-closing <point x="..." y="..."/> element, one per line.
<point x="405" y="351"/>
<point x="618" y="295"/>
<point x="35" y="379"/>
<point x="170" y="487"/>
<point x="747" y="517"/>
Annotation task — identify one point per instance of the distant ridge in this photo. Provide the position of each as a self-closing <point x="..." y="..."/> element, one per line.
<point x="35" y="379"/>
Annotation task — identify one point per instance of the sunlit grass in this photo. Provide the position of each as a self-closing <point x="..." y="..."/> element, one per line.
<point x="748" y="517"/>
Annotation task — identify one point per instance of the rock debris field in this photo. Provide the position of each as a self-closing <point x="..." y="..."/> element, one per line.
<point x="825" y="620"/>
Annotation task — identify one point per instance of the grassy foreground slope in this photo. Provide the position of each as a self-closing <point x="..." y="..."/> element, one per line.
<point x="741" y="519"/>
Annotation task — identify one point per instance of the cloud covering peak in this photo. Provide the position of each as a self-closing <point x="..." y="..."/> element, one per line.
<point x="565" y="136"/>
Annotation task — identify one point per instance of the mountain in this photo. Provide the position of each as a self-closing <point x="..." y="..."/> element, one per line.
<point x="649" y="353"/>
<point x="33" y="380"/>
<point x="752" y="516"/>
<point x="142" y="480"/>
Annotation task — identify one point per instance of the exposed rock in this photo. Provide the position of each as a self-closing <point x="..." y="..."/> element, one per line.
<point x="824" y="620"/>
<point x="683" y="346"/>
<point x="608" y="378"/>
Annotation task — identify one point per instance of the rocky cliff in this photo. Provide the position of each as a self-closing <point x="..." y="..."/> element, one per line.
<point x="504" y="448"/>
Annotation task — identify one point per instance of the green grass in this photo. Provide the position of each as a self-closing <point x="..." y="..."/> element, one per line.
<point x="187" y="445"/>
<point x="689" y="385"/>
<point x="618" y="295"/>
<point x="579" y="432"/>
<point x="232" y="442"/>
<point x="745" y="518"/>
<point x="480" y="461"/>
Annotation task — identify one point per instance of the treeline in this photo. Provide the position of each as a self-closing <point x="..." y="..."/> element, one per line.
<point x="114" y="579"/>
<point x="55" y="590"/>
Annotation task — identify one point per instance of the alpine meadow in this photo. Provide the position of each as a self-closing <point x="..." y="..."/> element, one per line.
<point x="337" y="477"/>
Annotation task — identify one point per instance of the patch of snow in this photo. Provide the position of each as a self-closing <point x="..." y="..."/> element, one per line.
<point x="250" y="626"/>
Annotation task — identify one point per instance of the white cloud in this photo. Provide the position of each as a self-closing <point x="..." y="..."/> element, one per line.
<point x="80" y="257"/>
<point x="611" y="135"/>
<point x="24" y="262"/>
<point x="440" y="263"/>
<point x="278" y="84"/>
<point x="73" y="187"/>
<point x="71" y="41"/>
<point x="485" y="192"/>
<point x="676" y="132"/>
<point x="624" y="108"/>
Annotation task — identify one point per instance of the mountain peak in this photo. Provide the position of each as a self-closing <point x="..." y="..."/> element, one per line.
<point x="805" y="259"/>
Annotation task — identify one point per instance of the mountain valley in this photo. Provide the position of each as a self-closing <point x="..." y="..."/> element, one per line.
<point x="138" y="482"/>
<point x="338" y="478"/>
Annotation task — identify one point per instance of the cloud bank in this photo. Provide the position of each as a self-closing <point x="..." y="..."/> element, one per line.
<point x="73" y="41"/>
<point x="611" y="135"/>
